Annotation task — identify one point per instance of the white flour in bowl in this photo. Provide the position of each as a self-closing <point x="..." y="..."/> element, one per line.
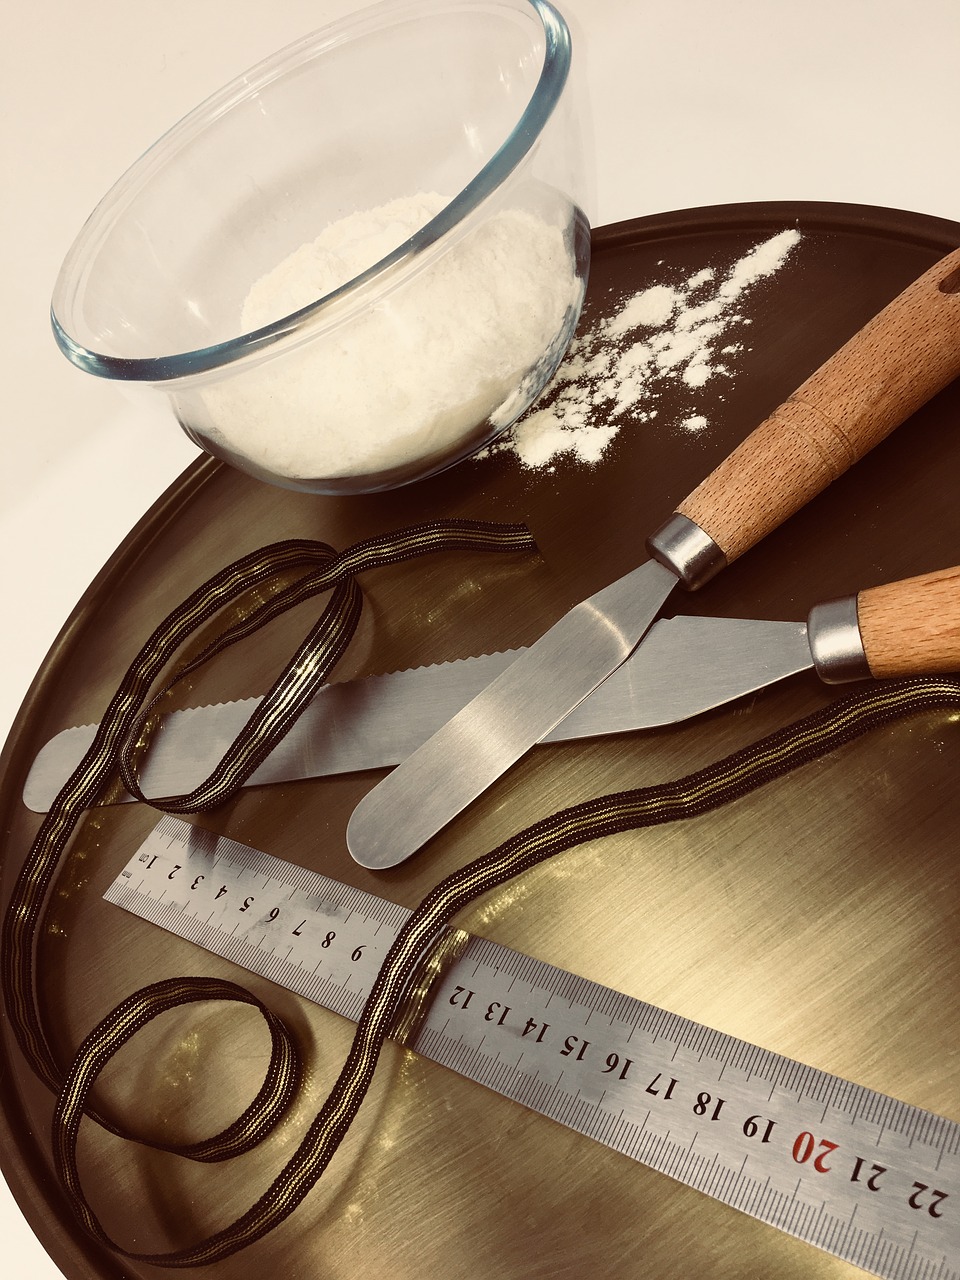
<point x="415" y="374"/>
<point x="613" y="373"/>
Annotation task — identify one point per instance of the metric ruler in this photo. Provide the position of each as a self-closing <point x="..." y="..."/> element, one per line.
<point x="858" y="1174"/>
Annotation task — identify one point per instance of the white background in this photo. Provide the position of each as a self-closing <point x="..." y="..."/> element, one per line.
<point x="691" y="102"/>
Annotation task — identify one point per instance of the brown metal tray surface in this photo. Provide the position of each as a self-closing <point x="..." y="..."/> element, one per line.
<point x="816" y="918"/>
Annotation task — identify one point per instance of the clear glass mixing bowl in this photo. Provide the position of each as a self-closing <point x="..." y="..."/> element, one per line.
<point x="456" y="111"/>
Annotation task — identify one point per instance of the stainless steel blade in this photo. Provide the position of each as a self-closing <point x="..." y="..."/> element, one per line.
<point x="378" y="721"/>
<point x="506" y="718"/>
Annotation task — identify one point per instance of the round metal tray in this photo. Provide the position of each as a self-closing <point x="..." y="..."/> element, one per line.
<point x="815" y="918"/>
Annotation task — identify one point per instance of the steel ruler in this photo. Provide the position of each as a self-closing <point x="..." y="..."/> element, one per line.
<point x="856" y="1173"/>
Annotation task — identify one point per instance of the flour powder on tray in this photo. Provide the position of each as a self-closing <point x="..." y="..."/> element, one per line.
<point x="613" y="373"/>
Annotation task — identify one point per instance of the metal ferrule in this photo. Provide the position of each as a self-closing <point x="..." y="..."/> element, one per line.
<point x="683" y="547"/>
<point x="833" y="633"/>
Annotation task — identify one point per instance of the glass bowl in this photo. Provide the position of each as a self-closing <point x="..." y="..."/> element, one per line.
<point x="360" y="261"/>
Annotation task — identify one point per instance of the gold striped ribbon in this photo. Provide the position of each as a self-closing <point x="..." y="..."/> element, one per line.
<point x="256" y="588"/>
<point x="709" y="788"/>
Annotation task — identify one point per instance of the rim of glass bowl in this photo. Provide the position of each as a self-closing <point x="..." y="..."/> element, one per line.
<point x="286" y="330"/>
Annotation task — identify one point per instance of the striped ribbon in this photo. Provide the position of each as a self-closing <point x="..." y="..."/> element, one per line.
<point x="322" y="569"/>
<point x="250" y="592"/>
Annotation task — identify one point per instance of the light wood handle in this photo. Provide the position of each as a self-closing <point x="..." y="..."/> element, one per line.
<point x="912" y="628"/>
<point x="901" y="358"/>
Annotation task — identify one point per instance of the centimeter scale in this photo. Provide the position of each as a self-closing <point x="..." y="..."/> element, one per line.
<point x="854" y="1172"/>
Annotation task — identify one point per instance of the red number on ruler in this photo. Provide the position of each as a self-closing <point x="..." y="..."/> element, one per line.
<point x="806" y="1144"/>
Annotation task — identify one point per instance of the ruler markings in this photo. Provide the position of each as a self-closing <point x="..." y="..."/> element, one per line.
<point x="733" y="1120"/>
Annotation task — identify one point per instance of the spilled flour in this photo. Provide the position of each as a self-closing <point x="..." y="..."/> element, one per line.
<point x="613" y="373"/>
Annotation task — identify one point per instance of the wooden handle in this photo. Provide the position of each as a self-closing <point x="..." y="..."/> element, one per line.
<point x="901" y="358"/>
<point x="912" y="627"/>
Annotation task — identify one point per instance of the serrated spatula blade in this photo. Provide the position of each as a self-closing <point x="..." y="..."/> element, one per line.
<point x="378" y="721"/>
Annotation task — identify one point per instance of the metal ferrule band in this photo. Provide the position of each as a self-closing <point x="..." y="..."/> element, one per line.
<point x="683" y="547"/>
<point x="833" y="632"/>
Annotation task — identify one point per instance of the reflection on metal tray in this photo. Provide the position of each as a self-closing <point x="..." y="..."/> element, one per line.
<point x="815" y="918"/>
